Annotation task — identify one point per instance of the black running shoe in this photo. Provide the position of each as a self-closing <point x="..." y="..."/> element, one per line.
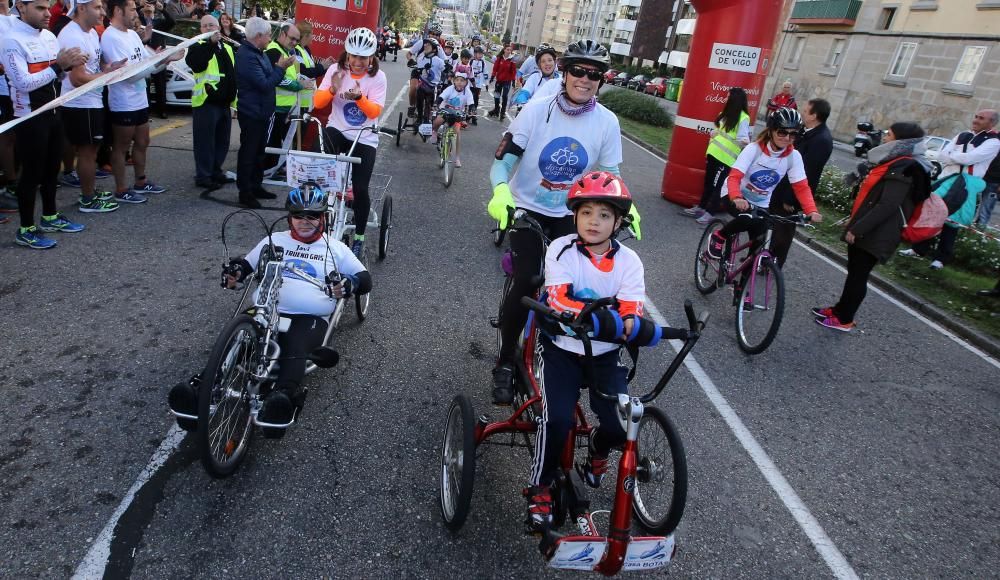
<point x="503" y="385"/>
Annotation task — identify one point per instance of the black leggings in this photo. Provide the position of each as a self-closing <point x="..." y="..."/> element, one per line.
<point x="715" y="176"/>
<point x="859" y="267"/>
<point x="528" y="251"/>
<point x="501" y="94"/>
<point x="361" y="175"/>
<point x="304" y="335"/>
<point x="39" y="143"/>
<point x="475" y="98"/>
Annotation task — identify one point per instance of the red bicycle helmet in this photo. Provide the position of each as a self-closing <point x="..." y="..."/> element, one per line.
<point x="600" y="186"/>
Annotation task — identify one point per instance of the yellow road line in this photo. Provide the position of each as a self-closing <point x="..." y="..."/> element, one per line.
<point x="168" y="127"/>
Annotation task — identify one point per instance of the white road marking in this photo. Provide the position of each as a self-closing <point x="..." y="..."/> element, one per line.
<point x="957" y="339"/>
<point x="96" y="560"/>
<point x="834" y="559"/>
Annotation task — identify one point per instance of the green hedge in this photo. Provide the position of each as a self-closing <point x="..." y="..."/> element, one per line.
<point x="637" y="107"/>
<point x="973" y="251"/>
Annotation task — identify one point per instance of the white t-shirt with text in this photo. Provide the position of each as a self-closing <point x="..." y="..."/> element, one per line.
<point x="763" y="168"/>
<point x="89" y="43"/>
<point x="453" y="99"/>
<point x="129" y="94"/>
<point x="345" y="114"/>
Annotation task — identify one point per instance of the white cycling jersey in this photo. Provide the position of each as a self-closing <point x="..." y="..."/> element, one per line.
<point x="29" y="56"/>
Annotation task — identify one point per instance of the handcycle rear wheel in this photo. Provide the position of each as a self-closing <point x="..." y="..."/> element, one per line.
<point x="661" y="486"/>
<point x="225" y="427"/>
<point x="707" y="271"/>
<point x="384" y="227"/>
<point x="399" y="128"/>
<point x="361" y="301"/>
<point x="758" y="316"/>
<point x="458" y="462"/>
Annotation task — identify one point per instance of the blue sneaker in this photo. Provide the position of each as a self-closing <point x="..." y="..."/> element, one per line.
<point x="32" y="238"/>
<point x="129" y="197"/>
<point x="102" y="174"/>
<point x="71" y="179"/>
<point x="149" y="188"/>
<point x="357" y="247"/>
<point x="58" y="223"/>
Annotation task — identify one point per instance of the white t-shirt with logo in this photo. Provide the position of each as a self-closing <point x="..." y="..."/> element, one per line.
<point x="89" y="43"/>
<point x="625" y="281"/>
<point x="558" y="150"/>
<point x="345" y="115"/>
<point x="454" y="99"/>
<point x="763" y="168"/>
<point x="129" y="94"/>
<point x="322" y="257"/>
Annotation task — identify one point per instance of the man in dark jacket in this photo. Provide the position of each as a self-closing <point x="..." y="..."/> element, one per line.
<point x="213" y="64"/>
<point x="256" y="79"/>
<point x="815" y="145"/>
<point x="153" y="12"/>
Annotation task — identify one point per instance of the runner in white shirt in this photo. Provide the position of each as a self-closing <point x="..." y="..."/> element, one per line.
<point x="83" y="117"/>
<point x="8" y="198"/>
<point x="356" y="88"/>
<point x="552" y="143"/>
<point x="127" y="101"/>
<point x="454" y="101"/>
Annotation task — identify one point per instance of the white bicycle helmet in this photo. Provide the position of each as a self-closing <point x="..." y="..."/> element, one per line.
<point x="361" y="42"/>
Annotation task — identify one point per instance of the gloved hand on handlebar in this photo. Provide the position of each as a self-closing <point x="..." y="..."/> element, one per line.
<point x="500" y="202"/>
<point x="234" y="273"/>
<point x="339" y="286"/>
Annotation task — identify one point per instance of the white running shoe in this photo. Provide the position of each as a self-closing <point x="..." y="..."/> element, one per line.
<point x="909" y="253"/>
<point x="936" y="265"/>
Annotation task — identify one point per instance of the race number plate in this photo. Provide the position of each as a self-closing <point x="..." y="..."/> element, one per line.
<point x="328" y="173"/>
<point x="426" y="129"/>
<point x="649" y="553"/>
<point x="582" y="554"/>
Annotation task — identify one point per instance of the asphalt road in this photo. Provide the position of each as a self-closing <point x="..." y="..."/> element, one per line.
<point x="885" y="438"/>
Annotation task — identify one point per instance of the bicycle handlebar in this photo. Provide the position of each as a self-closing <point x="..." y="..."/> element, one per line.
<point x="799" y="219"/>
<point x="581" y="325"/>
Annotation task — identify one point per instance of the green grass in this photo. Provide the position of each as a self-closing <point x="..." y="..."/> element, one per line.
<point x="950" y="289"/>
<point x="658" y="137"/>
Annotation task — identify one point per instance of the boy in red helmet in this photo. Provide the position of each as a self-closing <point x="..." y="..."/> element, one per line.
<point x="580" y="268"/>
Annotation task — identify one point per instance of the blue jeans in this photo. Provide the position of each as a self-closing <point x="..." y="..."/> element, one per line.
<point x="988" y="203"/>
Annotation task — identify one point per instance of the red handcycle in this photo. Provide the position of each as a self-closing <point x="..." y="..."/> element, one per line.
<point x="651" y="483"/>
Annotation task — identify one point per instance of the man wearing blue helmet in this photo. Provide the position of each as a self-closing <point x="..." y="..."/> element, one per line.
<point x="308" y="248"/>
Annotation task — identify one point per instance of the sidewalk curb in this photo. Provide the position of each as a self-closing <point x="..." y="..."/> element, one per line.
<point x="984" y="342"/>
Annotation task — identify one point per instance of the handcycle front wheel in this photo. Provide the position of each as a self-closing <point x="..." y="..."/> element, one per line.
<point x="761" y="307"/>
<point x="661" y="481"/>
<point x="458" y="462"/>
<point x="399" y="128"/>
<point x="361" y="301"/>
<point x="708" y="273"/>
<point x="225" y="427"/>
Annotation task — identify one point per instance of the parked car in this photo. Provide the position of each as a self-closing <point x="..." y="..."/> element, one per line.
<point x="934" y="146"/>
<point x="621" y="79"/>
<point x="656" y="87"/>
<point x="638" y="82"/>
<point x="610" y="75"/>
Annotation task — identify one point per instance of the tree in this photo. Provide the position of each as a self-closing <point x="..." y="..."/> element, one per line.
<point x="485" y="21"/>
<point x="506" y="37"/>
<point x="488" y="7"/>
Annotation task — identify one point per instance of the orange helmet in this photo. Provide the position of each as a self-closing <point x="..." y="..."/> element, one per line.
<point x="600" y="186"/>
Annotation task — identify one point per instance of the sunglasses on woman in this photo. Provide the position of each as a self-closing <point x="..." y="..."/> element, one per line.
<point x="311" y="217"/>
<point x="580" y="72"/>
<point x="785" y="133"/>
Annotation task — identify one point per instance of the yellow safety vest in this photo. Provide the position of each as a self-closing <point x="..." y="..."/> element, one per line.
<point x="305" y="95"/>
<point x="210" y="76"/>
<point x="724" y="146"/>
<point x="285" y="99"/>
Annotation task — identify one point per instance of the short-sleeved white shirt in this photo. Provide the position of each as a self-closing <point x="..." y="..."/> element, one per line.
<point x="558" y="150"/>
<point x="453" y="99"/>
<point x="345" y="114"/>
<point x="625" y="281"/>
<point x="89" y="43"/>
<point x="127" y="95"/>
<point x="762" y="170"/>
<point x="322" y="257"/>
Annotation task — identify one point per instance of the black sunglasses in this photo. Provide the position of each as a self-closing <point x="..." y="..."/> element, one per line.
<point x="580" y="72"/>
<point x="313" y="217"/>
<point x="786" y="133"/>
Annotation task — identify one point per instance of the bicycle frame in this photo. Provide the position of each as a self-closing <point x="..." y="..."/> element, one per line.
<point x="733" y="272"/>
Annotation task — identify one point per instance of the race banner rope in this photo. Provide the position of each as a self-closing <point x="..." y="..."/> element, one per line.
<point x="119" y="75"/>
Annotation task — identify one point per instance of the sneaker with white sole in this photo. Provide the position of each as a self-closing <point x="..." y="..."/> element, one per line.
<point x="716" y="246"/>
<point x="97" y="205"/>
<point x="148" y="188"/>
<point x="694" y="212"/>
<point x="909" y="253"/>
<point x="71" y="179"/>
<point x="834" y="323"/>
<point x="826" y="312"/>
<point x="58" y="223"/>
<point x="33" y="238"/>
<point x="937" y="265"/>
<point x="704" y="219"/>
<point x="129" y="197"/>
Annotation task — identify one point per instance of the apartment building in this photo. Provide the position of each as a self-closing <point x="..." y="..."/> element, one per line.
<point x="653" y="33"/>
<point x="930" y="61"/>
<point x="595" y="20"/>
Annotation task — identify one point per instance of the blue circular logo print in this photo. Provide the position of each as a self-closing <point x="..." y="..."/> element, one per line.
<point x="353" y="114"/>
<point x="764" y="179"/>
<point x="301" y="265"/>
<point x="563" y="160"/>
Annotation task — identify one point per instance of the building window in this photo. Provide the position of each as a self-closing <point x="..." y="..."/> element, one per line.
<point x="901" y="62"/>
<point x="967" y="68"/>
<point x="795" y="54"/>
<point x="836" y="55"/>
<point x="885" y="19"/>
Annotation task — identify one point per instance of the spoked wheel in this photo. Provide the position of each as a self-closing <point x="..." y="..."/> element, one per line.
<point x="448" y="154"/>
<point x="361" y="301"/>
<point x="707" y="271"/>
<point x="458" y="462"/>
<point x="508" y="281"/>
<point x="661" y="489"/>
<point x="225" y="427"/>
<point x="399" y="128"/>
<point x="762" y="304"/>
<point x="498" y="235"/>
<point x="384" y="227"/>
<point x="442" y="153"/>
